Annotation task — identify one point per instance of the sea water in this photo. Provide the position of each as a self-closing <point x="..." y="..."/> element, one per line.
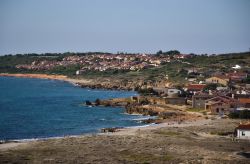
<point x="40" y="108"/>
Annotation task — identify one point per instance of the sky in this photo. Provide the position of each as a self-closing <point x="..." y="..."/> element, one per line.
<point x="135" y="26"/>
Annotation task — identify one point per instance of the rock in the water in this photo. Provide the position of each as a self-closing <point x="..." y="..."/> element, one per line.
<point x="87" y="102"/>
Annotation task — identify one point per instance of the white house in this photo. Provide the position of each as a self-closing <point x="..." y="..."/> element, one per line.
<point x="169" y="91"/>
<point x="237" y="67"/>
<point x="243" y="131"/>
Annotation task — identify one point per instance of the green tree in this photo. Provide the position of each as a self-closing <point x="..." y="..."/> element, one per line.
<point x="172" y="52"/>
<point x="244" y="114"/>
<point x="247" y="80"/>
<point x="159" y="52"/>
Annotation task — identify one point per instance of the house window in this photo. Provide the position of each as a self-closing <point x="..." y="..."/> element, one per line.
<point x="243" y="133"/>
<point x="222" y="109"/>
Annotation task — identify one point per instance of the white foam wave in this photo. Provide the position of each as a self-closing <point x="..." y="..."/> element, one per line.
<point x="144" y="118"/>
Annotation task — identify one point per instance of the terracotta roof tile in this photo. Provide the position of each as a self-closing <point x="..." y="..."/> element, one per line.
<point x="196" y="86"/>
<point x="244" y="126"/>
<point x="244" y="100"/>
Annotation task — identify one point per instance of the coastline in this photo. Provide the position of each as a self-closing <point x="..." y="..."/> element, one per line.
<point x="135" y="129"/>
<point x="98" y="83"/>
<point x="200" y="141"/>
<point x="155" y="123"/>
<point x="195" y="139"/>
<point x="46" y="76"/>
<point x="132" y="130"/>
<point x="76" y="82"/>
<point x="10" y="144"/>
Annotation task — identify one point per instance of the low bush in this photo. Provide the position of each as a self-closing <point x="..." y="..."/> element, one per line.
<point x="244" y="114"/>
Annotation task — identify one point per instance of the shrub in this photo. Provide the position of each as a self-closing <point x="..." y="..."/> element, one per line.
<point x="146" y="91"/>
<point x="244" y="114"/>
<point x="233" y="115"/>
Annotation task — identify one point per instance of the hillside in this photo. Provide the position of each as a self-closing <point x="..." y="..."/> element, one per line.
<point x="174" y="70"/>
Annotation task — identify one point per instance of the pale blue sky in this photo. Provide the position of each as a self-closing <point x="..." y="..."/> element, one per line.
<point x="198" y="26"/>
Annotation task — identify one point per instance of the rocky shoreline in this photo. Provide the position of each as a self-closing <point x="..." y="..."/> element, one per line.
<point x="104" y="86"/>
<point x="141" y="105"/>
<point x="133" y="105"/>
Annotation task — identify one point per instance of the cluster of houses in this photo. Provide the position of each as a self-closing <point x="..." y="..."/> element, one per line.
<point x="103" y="62"/>
<point x="230" y="94"/>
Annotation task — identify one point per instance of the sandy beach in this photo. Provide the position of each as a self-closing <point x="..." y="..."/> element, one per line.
<point x="122" y="131"/>
<point x="189" y="142"/>
<point x="119" y="132"/>
<point x="46" y="76"/>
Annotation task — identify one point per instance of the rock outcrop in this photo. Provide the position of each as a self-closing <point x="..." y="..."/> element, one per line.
<point x="138" y="109"/>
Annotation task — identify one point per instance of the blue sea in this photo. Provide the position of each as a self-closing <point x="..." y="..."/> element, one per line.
<point x="40" y="108"/>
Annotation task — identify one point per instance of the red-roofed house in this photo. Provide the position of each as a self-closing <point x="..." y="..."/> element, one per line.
<point x="221" y="105"/>
<point x="195" y="87"/>
<point x="245" y="101"/>
<point x="243" y="131"/>
<point x="244" y="104"/>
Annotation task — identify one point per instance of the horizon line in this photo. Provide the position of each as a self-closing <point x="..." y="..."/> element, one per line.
<point x="120" y="52"/>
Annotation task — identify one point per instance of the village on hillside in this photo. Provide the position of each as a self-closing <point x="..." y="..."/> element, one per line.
<point x="222" y="92"/>
<point x="103" y="62"/>
<point x="219" y="92"/>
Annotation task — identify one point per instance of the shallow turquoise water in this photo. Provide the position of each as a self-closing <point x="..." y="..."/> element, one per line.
<point x="37" y="108"/>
